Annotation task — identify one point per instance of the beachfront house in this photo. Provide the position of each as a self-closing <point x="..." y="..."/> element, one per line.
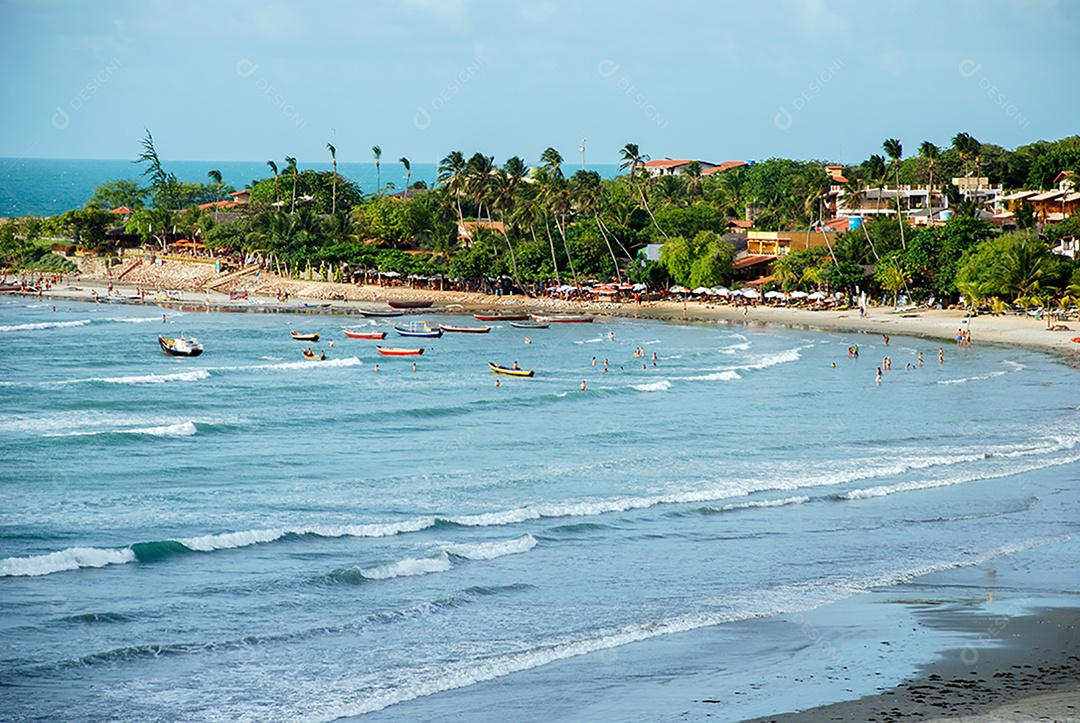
<point x="670" y="167"/>
<point x="466" y="230"/>
<point x="1050" y="206"/>
<point x="921" y="205"/>
<point x="754" y="265"/>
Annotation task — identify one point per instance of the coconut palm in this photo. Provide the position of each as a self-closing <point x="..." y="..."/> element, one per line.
<point x="895" y="151"/>
<point x="290" y="165"/>
<point x="408" y="172"/>
<point x="587" y="192"/>
<point x="274" y="170"/>
<point x="215" y="176"/>
<point x="633" y="160"/>
<point x="692" y="180"/>
<point x="931" y="153"/>
<point x="378" y="175"/>
<point x="333" y="192"/>
<point x="452" y="176"/>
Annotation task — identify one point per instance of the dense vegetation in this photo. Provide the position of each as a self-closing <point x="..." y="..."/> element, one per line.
<point x="538" y="224"/>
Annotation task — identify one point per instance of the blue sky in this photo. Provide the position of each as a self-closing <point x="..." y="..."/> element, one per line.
<point x="807" y="79"/>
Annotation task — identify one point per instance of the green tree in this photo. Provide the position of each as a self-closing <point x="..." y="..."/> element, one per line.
<point x="408" y="170"/>
<point x="333" y="192"/>
<point x="117" y="193"/>
<point x="378" y="168"/>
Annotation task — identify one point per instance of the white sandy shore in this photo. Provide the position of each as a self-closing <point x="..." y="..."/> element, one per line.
<point x="942" y="325"/>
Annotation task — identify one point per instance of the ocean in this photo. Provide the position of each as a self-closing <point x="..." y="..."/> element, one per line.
<point x="51" y="186"/>
<point x="249" y="536"/>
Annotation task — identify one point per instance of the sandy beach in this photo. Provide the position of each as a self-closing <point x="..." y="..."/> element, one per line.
<point x="193" y="280"/>
<point x="1030" y="673"/>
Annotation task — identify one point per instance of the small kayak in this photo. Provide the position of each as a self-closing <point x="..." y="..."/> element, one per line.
<point x="529" y="324"/>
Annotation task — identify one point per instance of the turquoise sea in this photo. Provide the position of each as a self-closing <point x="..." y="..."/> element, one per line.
<point x="248" y="536"/>
<point x="50" y="186"/>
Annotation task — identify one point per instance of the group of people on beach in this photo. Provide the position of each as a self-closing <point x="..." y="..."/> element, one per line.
<point x="963" y="337"/>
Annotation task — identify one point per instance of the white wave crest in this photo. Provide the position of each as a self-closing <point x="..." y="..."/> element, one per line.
<point x="978" y="378"/>
<point x="761" y="503"/>
<point x="661" y="385"/>
<point x="735" y="348"/>
<point x="725" y="376"/>
<point x="305" y="364"/>
<point x="408" y="567"/>
<point x="72" y="558"/>
<point x="194" y="375"/>
<point x="491" y="550"/>
<point x="45" y="325"/>
<point x="504" y="517"/>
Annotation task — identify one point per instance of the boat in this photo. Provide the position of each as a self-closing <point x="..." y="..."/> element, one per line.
<point x="499" y="369"/>
<point x="529" y="324"/>
<point x="501" y="317"/>
<point x="350" y="333"/>
<point x="424" y="304"/>
<point x="564" y="319"/>
<point x="380" y="312"/>
<point x="181" y="346"/>
<point x="420" y="330"/>
<point x="303" y="337"/>
<point x="465" y="329"/>
<point x="312" y="356"/>
<point x="395" y="351"/>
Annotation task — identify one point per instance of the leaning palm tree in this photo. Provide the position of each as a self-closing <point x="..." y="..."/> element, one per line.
<point x="290" y="165"/>
<point x="633" y="160"/>
<point x="895" y="151"/>
<point x="333" y="192"/>
<point x="408" y="172"/>
<point x="378" y="174"/>
<point x="931" y="153"/>
<point x="586" y="192"/>
<point x="274" y="170"/>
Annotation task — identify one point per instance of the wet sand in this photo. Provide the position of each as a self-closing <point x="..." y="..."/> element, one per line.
<point x="1016" y="668"/>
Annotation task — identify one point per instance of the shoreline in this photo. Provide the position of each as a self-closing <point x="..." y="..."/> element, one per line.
<point x="938" y="325"/>
<point x="1022" y="667"/>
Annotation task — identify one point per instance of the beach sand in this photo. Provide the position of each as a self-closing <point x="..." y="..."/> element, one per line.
<point x="940" y="325"/>
<point x="1017" y="668"/>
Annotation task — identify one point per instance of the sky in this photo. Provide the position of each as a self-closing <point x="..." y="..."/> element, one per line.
<point x="717" y="80"/>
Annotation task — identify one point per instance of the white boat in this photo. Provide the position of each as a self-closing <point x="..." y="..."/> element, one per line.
<point x="180" y="346"/>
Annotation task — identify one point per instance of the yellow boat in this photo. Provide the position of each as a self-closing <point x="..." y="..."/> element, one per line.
<point x="499" y="369"/>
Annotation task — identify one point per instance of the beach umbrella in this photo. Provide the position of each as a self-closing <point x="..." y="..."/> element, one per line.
<point x="750" y="294"/>
<point x="798" y="294"/>
<point x="722" y="291"/>
<point x="701" y="290"/>
<point x="775" y="295"/>
<point x="816" y="296"/>
<point x="639" y="287"/>
<point x="679" y="290"/>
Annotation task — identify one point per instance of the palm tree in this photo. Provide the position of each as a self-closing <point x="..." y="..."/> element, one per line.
<point x="875" y="170"/>
<point x="378" y="174"/>
<point x="333" y="193"/>
<point x="587" y="192"/>
<point x="556" y="199"/>
<point x="478" y="172"/>
<point x="633" y="160"/>
<point x="452" y="176"/>
<point x="692" y="172"/>
<point x="290" y="165"/>
<point x="215" y="176"/>
<point x="274" y="170"/>
<point x="968" y="147"/>
<point x="895" y="151"/>
<point x="408" y="172"/>
<point x="931" y="153"/>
